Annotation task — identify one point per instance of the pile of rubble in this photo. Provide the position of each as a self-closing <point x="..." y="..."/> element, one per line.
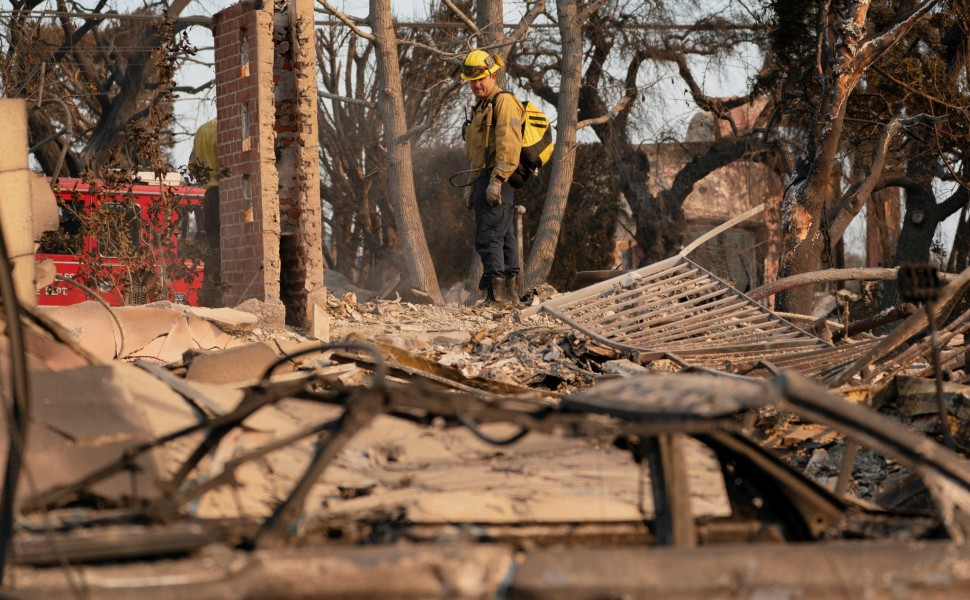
<point x="410" y="420"/>
<point x="486" y="342"/>
<point x="542" y="353"/>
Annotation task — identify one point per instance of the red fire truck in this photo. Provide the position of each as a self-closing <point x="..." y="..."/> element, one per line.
<point x="131" y="243"/>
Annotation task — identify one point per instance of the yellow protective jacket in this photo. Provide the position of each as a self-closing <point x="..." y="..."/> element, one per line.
<point x="205" y="157"/>
<point x="493" y="144"/>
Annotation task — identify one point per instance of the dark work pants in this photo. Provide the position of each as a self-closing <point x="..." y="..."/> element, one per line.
<point x="211" y="292"/>
<point x="495" y="232"/>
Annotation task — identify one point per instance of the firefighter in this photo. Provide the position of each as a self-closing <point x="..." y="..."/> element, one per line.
<point x="493" y="140"/>
<point x="204" y="164"/>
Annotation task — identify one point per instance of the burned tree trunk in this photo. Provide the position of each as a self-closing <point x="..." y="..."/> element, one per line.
<point x="883" y="215"/>
<point x="844" y="55"/>
<point x="400" y="168"/>
<point x="564" y="158"/>
<point x="960" y="252"/>
<point x="923" y="215"/>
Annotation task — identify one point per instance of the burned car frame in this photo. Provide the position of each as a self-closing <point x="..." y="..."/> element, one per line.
<point x="756" y="545"/>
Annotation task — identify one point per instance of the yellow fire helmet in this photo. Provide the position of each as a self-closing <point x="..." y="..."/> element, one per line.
<point x="479" y="64"/>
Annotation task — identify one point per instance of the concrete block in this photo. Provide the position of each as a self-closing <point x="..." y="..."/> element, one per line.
<point x="239" y="365"/>
<point x="15" y="210"/>
<point x="44" y="205"/>
<point x="13" y="124"/>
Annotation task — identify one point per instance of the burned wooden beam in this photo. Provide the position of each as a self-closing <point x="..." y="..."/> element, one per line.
<point x="885" y="317"/>
<point x="825" y="276"/>
<point x="449" y="377"/>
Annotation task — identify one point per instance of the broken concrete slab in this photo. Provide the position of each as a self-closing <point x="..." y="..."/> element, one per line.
<point x="339" y="285"/>
<point x="48" y="346"/>
<point x="17" y="207"/>
<point x="44" y="210"/>
<point x="268" y="314"/>
<point x="44" y="273"/>
<point x="240" y="365"/>
<point x="912" y="397"/>
<point x="451" y="376"/>
<point x="160" y="333"/>
<point x="228" y="319"/>
<point x="87" y="417"/>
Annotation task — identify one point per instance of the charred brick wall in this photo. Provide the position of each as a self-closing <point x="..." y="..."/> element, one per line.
<point x="297" y="153"/>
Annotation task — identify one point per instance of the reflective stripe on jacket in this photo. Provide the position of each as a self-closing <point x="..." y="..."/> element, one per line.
<point x="493" y="144"/>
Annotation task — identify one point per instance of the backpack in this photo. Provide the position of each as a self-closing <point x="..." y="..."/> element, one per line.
<point x="537" y="143"/>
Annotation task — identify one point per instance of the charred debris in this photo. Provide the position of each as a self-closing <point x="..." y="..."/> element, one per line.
<point x="162" y="442"/>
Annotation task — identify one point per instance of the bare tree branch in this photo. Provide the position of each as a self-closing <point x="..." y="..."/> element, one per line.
<point x="920" y="92"/>
<point x="717" y="106"/>
<point x="589" y="10"/>
<point x="957" y="200"/>
<point x="858" y="195"/>
<point x="433" y="110"/>
<point x="613" y="112"/>
<point x="877" y="46"/>
<point x="347" y="20"/>
<point x="348" y="100"/>
<point x="462" y="17"/>
<point x="822" y="43"/>
<point x="523" y="27"/>
<point x="828" y="275"/>
<point x="194" y="90"/>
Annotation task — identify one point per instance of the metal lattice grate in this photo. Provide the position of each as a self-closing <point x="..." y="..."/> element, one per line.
<point x="676" y="307"/>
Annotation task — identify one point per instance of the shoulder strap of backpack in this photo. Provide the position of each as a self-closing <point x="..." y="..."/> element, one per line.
<point x="492" y="102"/>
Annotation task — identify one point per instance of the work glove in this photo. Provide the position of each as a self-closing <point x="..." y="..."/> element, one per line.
<point x="469" y="196"/>
<point x="493" y="194"/>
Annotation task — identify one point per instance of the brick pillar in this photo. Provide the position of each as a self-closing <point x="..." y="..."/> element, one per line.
<point x="250" y="228"/>
<point x="297" y="151"/>
<point x="267" y="106"/>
